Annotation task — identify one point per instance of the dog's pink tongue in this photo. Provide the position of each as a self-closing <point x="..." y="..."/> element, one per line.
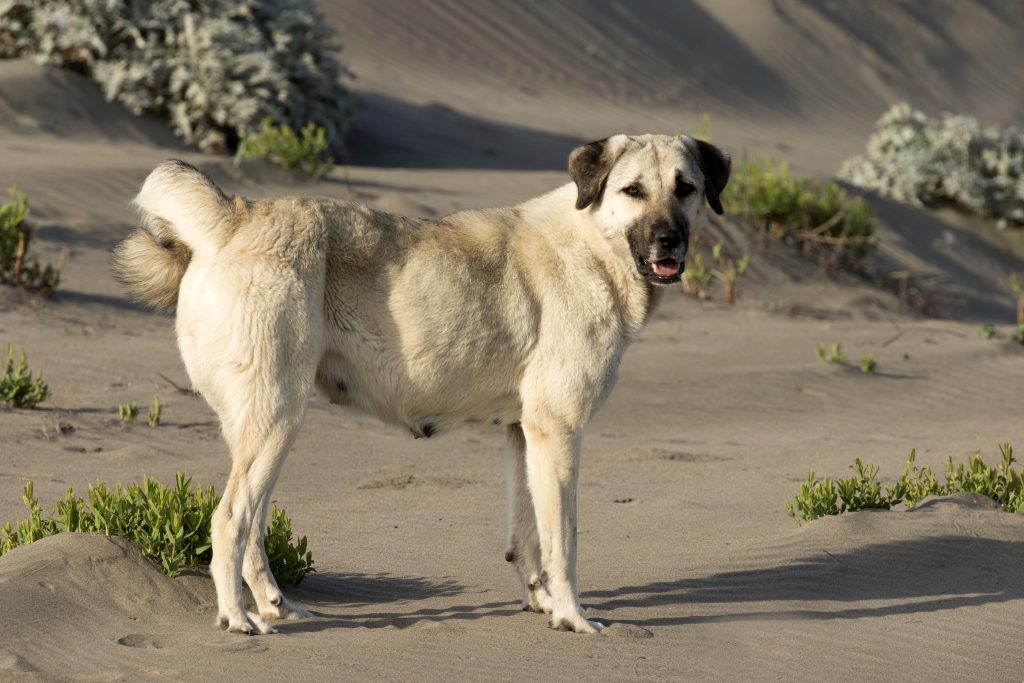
<point x="666" y="267"/>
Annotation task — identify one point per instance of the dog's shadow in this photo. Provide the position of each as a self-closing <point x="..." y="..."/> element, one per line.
<point x="322" y="590"/>
<point x="911" y="576"/>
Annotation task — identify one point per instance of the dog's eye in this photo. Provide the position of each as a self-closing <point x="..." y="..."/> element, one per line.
<point x="684" y="189"/>
<point x="633" y="190"/>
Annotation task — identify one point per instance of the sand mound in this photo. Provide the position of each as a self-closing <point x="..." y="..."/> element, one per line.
<point x="64" y="586"/>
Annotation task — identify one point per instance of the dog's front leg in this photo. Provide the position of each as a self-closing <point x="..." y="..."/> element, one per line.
<point x="552" y="468"/>
<point x="523" y="549"/>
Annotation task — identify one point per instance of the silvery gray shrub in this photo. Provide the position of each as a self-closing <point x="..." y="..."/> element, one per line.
<point x="215" y="68"/>
<point x="949" y="160"/>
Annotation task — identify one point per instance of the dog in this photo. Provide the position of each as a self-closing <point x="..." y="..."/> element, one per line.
<point x="517" y="316"/>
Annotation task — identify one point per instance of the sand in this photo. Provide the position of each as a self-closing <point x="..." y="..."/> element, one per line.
<point x="721" y="410"/>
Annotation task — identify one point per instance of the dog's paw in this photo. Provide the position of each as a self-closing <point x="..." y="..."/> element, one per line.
<point x="246" y="623"/>
<point x="576" y="623"/>
<point x="285" y="610"/>
<point x="538" y="600"/>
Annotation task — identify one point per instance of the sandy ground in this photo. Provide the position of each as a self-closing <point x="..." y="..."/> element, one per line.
<point x="719" y="414"/>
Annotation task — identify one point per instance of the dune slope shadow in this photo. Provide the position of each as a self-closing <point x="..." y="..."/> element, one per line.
<point x="393" y="133"/>
<point x="964" y="271"/>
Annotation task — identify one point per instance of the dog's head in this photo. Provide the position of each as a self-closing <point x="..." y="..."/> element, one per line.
<point x="648" y="191"/>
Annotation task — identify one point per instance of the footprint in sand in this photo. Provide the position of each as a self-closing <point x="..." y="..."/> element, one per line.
<point x="11" y="663"/>
<point x="139" y="640"/>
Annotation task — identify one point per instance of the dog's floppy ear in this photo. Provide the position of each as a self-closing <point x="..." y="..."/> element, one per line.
<point x="589" y="166"/>
<point x="716" y="166"/>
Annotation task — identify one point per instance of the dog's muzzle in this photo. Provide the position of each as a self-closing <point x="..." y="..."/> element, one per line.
<point x="661" y="259"/>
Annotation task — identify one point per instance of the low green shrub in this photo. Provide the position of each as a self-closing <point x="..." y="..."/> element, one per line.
<point x="823" y="220"/>
<point x="169" y="524"/>
<point x="867" y="364"/>
<point x="16" y="267"/>
<point x="281" y="145"/>
<point x="817" y="498"/>
<point x="17" y="386"/>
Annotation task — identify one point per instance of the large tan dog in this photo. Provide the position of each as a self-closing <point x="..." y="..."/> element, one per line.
<point x="517" y="316"/>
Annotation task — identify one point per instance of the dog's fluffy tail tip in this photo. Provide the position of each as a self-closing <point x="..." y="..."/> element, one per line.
<point x="150" y="265"/>
<point x="182" y="211"/>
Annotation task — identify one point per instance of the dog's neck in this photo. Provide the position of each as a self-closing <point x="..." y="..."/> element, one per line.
<point x="632" y="293"/>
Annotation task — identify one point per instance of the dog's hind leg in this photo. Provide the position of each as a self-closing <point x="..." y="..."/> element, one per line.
<point x="523" y="546"/>
<point x="253" y="356"/>
<point x="552" y="468"/>
<point x="270" y="602"/>
<point x="259" y="440"/>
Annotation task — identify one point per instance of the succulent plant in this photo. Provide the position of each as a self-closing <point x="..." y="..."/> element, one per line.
<point x="947" y="160"/>
<point x="216" y="69"/>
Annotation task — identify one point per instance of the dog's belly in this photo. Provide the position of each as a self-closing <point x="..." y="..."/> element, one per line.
<point x="426" y="403"/>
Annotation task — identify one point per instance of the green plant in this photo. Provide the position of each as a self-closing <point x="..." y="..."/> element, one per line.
<point x="289" y="559"/>
<point x="1003" y="483"/>
<point x="17" y="386"/>
<point x="1017" y="285"/>
<point x="988" y="331"/>
<point x="155" y="409"/>
<point x="1018" y="334"/>
<point x="128" y="411"/>
<point x="728" y="270"/>
<point x="697" y="276"/>
<point x="215" y="69"/>
<point x="281" y="145"/>
<point x="822" y="220"/>
<point x="867" y="364"/>
<point x="941" y="161"/>
<point x="16" y="268"/>
<point x="833" y="355"/>
<point x="169" y="524"/>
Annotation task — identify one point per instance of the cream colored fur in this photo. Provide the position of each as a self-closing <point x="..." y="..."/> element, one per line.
<point x="517" y="315"/>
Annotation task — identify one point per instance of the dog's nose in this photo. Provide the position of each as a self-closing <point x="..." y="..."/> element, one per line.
<point x="668" y="238"/>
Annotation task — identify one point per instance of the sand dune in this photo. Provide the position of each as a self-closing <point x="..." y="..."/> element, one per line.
<point x="719" y="414"/>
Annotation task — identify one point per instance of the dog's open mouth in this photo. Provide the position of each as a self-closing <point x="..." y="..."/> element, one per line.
<point x="663" y="271"/>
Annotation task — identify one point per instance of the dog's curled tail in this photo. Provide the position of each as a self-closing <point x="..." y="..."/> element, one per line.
<point x="183" y="212"/>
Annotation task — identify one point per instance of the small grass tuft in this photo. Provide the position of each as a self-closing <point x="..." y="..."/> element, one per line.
<point x="282" y="145"/>
<point x="16" y="267"/>
<point x="128" y="412"/>
<point x="726" y="269"/>
<point x="988" y="331"/>
<point x="868" y="364"/>
<point x="1002" y="483"/>
<point x="170" y="524"/>
<point x="1017" y="285"/>
<point x="833" y="355"/>
<point x="18" y="388"/>
<point x="155" y="409"/>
